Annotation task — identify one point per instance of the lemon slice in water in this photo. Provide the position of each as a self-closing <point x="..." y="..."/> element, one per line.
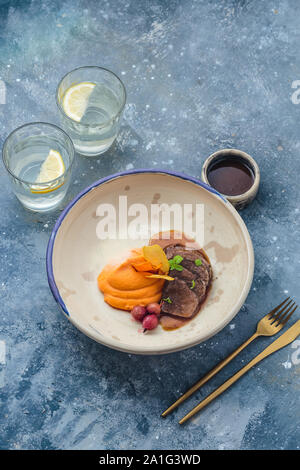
<point x="76" y="98"/>
<point x="52" y="168"/>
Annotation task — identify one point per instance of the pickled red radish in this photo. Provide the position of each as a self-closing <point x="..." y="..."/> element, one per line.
<point x="138" y="312"/>
<point x="150" y="322"/>
<point x="153" y="308"/>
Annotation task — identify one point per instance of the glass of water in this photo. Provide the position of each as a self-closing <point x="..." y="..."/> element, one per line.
<point x="90" y="102"/>
<point x="39" y="158"/>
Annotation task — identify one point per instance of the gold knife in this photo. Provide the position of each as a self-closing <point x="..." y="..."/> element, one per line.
<point x="288" y="337"/>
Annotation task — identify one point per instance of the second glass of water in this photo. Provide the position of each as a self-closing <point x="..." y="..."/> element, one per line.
<point x="91" y="101"/>
<point x="39" y="158"/>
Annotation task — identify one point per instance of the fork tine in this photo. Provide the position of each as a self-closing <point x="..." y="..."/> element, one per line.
<point x="285" y="318"/>
<point x="278" y="314"/>
<point x="270" y="314"/>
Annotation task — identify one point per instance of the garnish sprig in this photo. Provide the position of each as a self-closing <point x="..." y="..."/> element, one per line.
<point x="175" y="263"/>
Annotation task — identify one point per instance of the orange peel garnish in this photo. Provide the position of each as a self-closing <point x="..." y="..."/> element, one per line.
<point x="143" y="266"/>
<point x="161" y="276"/>
<point x="157" y="257"/>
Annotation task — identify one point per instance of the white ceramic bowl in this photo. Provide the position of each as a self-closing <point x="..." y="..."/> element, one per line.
<point x="75" y="257"/>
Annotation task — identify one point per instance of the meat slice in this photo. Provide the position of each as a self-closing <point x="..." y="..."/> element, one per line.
<point x="200" y="280"/>
<point x="204" y="271"/>
<point x="184" y="275"/>
<point x="200" y="290"/>
<point x="189" y="289"/>
<point x="182" y="301"/>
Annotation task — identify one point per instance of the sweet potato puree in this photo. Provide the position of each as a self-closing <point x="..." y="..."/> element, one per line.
<point x="127" y="283"/>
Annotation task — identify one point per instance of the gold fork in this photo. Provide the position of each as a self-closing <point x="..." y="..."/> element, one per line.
<point x="269" y="325"/>
<point x="286" y="338"/>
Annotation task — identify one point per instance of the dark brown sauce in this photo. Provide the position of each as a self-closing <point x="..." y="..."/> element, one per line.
<point x="174" y="237"/>
<point x="230" y="176"/>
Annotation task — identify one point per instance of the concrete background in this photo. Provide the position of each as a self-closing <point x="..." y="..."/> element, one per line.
<point x="200" y="76"/>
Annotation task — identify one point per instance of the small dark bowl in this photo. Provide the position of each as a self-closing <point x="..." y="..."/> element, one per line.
<point x="241" y="200"/>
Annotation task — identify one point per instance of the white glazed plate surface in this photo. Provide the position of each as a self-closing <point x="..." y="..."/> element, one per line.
<point x="76" y="256"/>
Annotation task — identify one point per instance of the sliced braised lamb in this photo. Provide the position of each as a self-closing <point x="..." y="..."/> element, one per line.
<point x="184" y="296"/>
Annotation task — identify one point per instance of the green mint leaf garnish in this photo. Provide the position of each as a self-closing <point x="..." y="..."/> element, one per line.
<point x="175" y="263"/>
<point x="198" y="262"/>
<point x="193" y="284"/>
<point x="178" y="267"/>
<point x="177" y="259"/>
<point x="168" y="300"/>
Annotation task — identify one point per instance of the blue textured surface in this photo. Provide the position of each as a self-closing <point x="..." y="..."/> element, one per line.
<point x="200" y="76"/>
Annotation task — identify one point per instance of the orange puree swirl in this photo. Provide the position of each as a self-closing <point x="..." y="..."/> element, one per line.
<point x="124" y="286"/>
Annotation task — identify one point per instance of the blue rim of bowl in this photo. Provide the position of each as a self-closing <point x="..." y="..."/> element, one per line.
<point x="49" y="254"/>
